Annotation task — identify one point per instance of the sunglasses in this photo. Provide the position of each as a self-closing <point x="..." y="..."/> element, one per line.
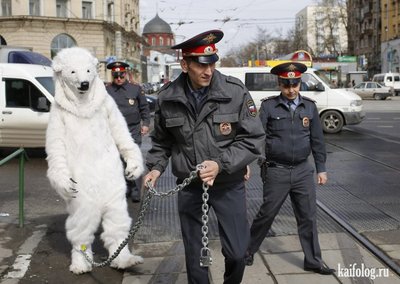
<point x="118" y="75"/>
<point x="287" y="86"/>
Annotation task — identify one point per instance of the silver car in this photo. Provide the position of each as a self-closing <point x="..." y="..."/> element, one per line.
<point x="372" y="90"/>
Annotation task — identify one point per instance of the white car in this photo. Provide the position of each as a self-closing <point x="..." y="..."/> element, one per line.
<point x="372" y="90"/>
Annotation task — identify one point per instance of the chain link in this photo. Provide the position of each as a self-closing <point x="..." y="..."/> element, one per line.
<point x="143" y="208"/>
<point x="205" y="254"/>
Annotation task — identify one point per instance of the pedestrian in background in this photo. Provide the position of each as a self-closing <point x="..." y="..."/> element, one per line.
<point x="204" y="117"/>
<point x="133" y="105"/>
<point x="293" y="131"/>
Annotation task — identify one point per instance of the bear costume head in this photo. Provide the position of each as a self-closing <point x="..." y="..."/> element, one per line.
<point x="78" y="87"/>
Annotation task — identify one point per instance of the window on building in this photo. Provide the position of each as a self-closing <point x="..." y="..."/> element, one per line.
<point x="2" y="41"/>
<point x="5" y="8"/>
<point x="161" y="41"/>
<point x="153" y="41"/>
<point x="87" y="10"/>
<point x="61" y="41"/>
<point x="23" y="94"/>
<point x="62" y="8"/>
<point x="110" y="8"/>
<point x="34" y="7"/>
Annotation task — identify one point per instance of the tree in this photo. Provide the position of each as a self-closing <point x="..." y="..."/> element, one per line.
<point x="255" y="49"/>
<point x="332" y="16"/>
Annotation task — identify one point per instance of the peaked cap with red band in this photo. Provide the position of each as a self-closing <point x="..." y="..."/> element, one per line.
<point x="289" y="73"/>
<point x="117" y="66"/>
<point x="202" y="46"/>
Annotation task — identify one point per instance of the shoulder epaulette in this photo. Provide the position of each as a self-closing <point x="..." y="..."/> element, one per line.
<point x="309" y="99"/>
<point x="234" y="80"/>
<point x="269" y="98"/>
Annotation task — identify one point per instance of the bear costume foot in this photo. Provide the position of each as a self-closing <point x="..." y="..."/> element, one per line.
<point x="79" y="264"/>
<point x="122" y="262"/>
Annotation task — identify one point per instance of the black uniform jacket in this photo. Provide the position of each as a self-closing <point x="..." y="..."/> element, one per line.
<point x="226" y="129"/>
<point x="132" y="103"/>
<point x="289" y="141"/>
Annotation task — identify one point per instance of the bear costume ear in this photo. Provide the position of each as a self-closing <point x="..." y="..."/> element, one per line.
<point x="95" y="61"/>
<point x="56" y="65"/>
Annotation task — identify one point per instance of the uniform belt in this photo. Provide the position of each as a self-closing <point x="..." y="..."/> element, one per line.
<point x="280" y="166"/>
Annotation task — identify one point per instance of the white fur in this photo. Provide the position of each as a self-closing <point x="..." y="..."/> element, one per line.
<point x="85" y="138"/>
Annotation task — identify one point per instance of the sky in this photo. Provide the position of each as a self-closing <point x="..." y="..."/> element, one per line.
<point x="238" y="19"/>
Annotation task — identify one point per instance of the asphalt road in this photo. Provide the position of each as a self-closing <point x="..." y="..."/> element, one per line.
<point x="363" y="188"/>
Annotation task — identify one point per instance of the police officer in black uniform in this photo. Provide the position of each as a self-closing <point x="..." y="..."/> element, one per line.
<point x="293" y="131"/>
<point x="133" y="105"/>
<point x="204" y="117"/>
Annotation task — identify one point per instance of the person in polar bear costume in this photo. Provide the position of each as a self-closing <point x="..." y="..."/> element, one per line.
<point x="86" y="137"/>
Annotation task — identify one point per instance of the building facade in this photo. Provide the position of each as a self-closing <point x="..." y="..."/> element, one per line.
<point x="390" y="35"/>
<point x="108" y="28"/>
<point x="159" y="36"/>
<point x="364" y="28"/>
<point x="323" y="29"/>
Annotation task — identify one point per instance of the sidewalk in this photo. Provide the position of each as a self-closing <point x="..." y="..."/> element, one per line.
<point x="279" y="260"/>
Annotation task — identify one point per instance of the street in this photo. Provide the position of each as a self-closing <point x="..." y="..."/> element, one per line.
<point x="363" y="189"/>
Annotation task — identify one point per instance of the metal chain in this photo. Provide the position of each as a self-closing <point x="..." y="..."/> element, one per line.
<point x="205" y="254"/>
<point x="143" y="208"/>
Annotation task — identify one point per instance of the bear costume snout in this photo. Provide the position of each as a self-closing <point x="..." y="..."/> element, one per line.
<point x="84" y="86"/>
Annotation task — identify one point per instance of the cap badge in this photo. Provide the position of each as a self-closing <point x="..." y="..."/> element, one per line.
<point x="225" y="128"/>
<point x="131" y="102"/>
<point x="117" y="69"/>
<point x="208" y="50"/>
<point x="210" y="38"/>
<point x="306" y="122"/>
<point x="291" y="74"/>
<point x="291" y="67"/>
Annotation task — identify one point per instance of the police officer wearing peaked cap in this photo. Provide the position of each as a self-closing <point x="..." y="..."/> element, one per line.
<point x="293" y="131"/>
<point x="204" y="117"/>
<point x="201" y="48"/>
<point x="133" y="105"/>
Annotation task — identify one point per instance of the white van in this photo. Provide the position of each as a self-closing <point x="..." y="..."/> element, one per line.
<point x="389" y="80"/>
<point x="337" y="107"/>
<point x="26" y="92"/>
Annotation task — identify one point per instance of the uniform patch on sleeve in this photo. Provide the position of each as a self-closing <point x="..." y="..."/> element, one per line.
<point x="251" y="107"/>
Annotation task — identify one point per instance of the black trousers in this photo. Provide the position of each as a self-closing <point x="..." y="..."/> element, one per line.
<point x="133" y="187"/>
<point x="229" y="204"/>
<point x="300" y="185"/>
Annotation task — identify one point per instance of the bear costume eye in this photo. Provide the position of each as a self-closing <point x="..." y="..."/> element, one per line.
<point x="88" y="71"/>
<point x="72" y="72"/>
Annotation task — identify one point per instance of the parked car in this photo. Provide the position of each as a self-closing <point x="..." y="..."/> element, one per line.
<point x="372" y="90"/>
<point x="152" y="100"/>
<point x="389" y="80"/>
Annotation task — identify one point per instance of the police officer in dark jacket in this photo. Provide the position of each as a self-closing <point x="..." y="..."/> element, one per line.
<point x="204" y="117"/>
<point x="133" y="105"/>
<point x="293" y="131"/>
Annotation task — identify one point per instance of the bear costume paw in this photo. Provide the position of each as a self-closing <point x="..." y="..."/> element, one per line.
<point x="133" y="169"/>
<point x="126" y="261"/>
<point x="79" y="264"/>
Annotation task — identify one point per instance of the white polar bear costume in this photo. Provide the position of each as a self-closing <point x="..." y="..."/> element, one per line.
<point x="86" y="136"/>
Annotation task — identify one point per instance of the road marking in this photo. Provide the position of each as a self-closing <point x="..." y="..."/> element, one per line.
<point x="23" y="260"/>
<point x="385" y="126"/>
